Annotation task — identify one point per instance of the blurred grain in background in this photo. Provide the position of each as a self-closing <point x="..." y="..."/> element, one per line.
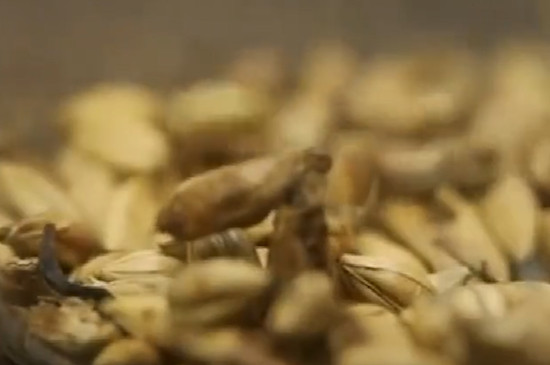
<point x="51" y="49"/>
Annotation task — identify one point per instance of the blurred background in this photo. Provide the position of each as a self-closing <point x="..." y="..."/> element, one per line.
<point x="50" y="50"/>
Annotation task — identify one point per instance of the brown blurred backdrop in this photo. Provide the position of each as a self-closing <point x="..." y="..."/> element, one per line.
<point x="49" y="48"/>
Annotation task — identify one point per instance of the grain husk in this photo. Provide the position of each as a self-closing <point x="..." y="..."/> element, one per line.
<point x="72" y="327"/>
<point x="304" y="122"/>
<point x="380" y="281"/>
<point x="130" y="221"/>
<point x="236" y="195"/>
<point x="237" y="107"/>
<point x="215" y="291"/>
<point x="128" y="351"/>
<point x="412" y="223"/>
<point x="375" y="243"/>
<point x="76" y="243"/>
<point x="130" y="272"/>
<point x="510" y="211"/>
<point x="100" y="119"/>
<point x="32" y="192"/>
<point x="143" y="316"/>
<point x="306" y="308"/>
<point x="467" y="239"/>
<point x="413" y="93"/>
<point x="90" y="184"/>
